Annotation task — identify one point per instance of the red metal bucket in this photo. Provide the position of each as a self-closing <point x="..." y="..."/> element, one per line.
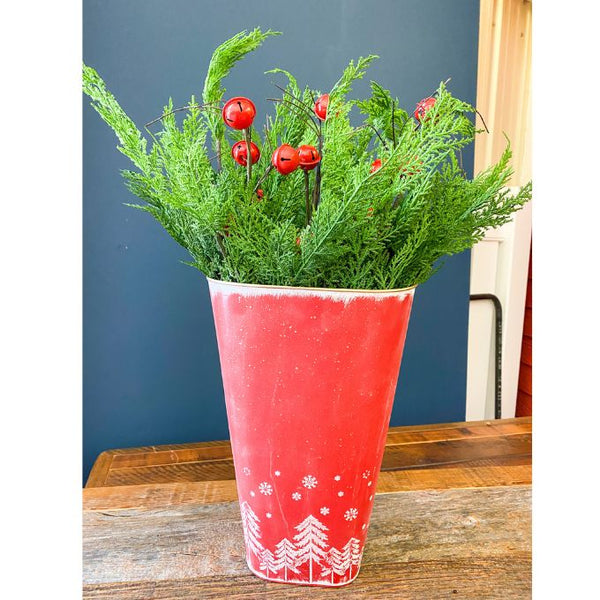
<point x="309" y="376"/>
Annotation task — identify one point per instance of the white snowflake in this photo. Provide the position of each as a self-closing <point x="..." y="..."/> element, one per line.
<point x="309" y="482"/>
<point x="324" y="510"/>
<point x="366" y="474"/>
<point x="371" y="497"/>
<point x="364" y="526"/>
<point x="351" y="514"/>
<point x="246" y="471"/>
<point x="296" y="496"/>
<point x="265" y="488"/>
<point x="277" y="473"/>
<point x="269" y="515"/>
<point x="337" y="477"/>
<point x="252" y="494"/>
<point x="340" y="494"/>
<point x="370" y="484"/>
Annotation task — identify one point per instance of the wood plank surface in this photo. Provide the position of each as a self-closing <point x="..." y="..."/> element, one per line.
<point x="456" y="543"/>
<point x="451" y="520"/>
<point x="211" y="492"/>
<point x="424" y="446"/>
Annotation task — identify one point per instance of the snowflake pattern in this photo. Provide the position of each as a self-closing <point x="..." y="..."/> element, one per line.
<point x="324" y="510"/>
<point x="371" y="497"/>
<point x="370" y="484"/>
<point x="337" y="477"/>
<point x="246" y="471"/>
<point x="296" y="496"/>
<point x="265" y="488"/>
<point x="309" y="482"/>
<point x="252" y="493"/>
<point x="269" y="515"/>
<point x="351" y="514"/>
<point x="277" y="473"/>
<point x="366" y="474"/>
<point x="340" y="494"/>
<point x="364" y="526"/>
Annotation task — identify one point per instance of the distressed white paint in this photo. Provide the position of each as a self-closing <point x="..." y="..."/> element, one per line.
<point x="338" y="295"/>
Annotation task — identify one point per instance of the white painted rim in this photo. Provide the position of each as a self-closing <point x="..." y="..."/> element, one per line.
<point x="252" y="289"/>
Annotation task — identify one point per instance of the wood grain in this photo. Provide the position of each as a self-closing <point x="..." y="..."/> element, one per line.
<point x="504" y="84"/>
<point x="451" y="520"/>
<point x="525" y="387"/>
<point x="516" y="471"/>
<point x="470" y="543"/>
<point x="424" y="446"/>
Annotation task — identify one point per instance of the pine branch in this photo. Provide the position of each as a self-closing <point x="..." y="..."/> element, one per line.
<point x="223" y="60"/>
<point x="362" y="228"/>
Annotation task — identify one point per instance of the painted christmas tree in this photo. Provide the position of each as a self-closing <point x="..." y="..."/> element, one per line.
<point x="351" y="555"/>
<point x="335" y="564"/>
<point x="287" y="557"/>
<point x="311" y="542"/>
<point x="268" y="562"/>
<point x="251" y="529"/>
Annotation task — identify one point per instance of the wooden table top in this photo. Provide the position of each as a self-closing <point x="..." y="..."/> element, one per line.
<point x="451" y="519"/>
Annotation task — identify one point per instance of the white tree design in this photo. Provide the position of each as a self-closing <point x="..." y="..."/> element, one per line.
<point x="335" y="564"/>
<point x="268" y="562"/>
<point x="287" y="557"/>
<point x="311" y="542"/>
<point x="251" y="529"/>
<point x="351" y="555"/>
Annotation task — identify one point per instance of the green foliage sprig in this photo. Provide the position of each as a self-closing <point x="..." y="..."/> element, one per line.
<point x="371" y="230"/>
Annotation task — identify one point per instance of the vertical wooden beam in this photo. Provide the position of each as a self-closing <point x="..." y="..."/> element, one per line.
<point x="504" y="83"/>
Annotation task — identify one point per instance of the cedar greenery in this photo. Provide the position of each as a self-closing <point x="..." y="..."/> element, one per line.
<point x="380" y="230"/>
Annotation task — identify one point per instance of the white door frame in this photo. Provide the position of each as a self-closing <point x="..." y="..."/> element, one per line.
<point x="499" y="266"/>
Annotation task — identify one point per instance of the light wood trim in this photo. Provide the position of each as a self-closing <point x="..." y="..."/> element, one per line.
<point x="152" y="496"/>
<point x="504" y="84"/>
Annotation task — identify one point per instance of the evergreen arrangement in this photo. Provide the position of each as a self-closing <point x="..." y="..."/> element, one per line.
<point x="311" y="200"/>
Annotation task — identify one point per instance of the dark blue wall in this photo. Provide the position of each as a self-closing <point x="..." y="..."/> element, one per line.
<point x="150" y="363"/>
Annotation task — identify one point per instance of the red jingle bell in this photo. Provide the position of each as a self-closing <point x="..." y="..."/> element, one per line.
<point x="309" y="157"/>
<point x="239" y="152"/>
<point x="375" y="165"/>
<point x="321" y="106"/>
<point x="239" y="112"/>
<point x="422" y="107"/>
<point x="285" y="159"/>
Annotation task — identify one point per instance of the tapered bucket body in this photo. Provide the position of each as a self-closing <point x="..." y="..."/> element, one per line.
<point x="309" y="377"/>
